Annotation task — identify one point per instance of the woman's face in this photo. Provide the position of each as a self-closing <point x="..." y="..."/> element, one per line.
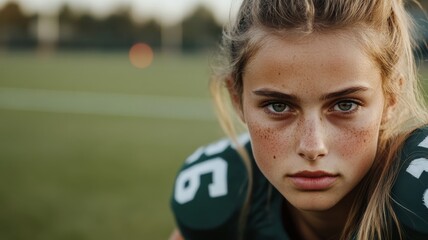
<point x="313" y="108"/>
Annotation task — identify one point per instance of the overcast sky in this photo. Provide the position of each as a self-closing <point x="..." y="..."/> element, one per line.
<point x="166" y="11"/>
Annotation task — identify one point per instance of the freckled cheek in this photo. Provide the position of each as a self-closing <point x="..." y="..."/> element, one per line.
<point x="268" y="143"/>
<point x="358" y="141"/>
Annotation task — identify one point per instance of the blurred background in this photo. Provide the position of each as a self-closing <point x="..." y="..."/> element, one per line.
<point x="100" y="103"/>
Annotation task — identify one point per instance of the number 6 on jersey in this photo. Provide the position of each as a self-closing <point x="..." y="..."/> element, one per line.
<point x="189" y="180"/>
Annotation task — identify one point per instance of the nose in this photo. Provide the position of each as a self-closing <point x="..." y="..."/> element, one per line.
<point x="311" y="141"/>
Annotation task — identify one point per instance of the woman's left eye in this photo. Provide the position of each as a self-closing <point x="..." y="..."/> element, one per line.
<point x="346" y="106"/>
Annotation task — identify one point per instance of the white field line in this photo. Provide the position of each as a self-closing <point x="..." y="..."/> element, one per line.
<point x="106" y="104"/>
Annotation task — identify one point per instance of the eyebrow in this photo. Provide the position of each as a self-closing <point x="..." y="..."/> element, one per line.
<point x="276" y="94"/>
<point x="294" y="98"/>
<point x="344" y="92"/>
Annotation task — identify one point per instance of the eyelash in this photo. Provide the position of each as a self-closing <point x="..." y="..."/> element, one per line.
<point x="355" y="106"/>
<point x="268" y="106"/>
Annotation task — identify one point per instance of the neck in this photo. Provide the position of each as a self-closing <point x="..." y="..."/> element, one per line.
<point x="319" y="225"/>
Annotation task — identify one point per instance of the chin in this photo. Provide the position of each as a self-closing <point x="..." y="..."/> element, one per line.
<point x="313" y="202"/>
<point x="320" y="207"/>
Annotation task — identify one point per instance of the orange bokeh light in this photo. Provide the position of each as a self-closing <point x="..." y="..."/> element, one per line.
<point x="141" y="55"/>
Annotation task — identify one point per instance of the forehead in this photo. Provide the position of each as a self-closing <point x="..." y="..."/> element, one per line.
<point x="330" y="58"/>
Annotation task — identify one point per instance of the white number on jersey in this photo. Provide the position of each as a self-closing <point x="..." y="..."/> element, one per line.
<point x="418" y="166"/>
<point x="189" y="180"/>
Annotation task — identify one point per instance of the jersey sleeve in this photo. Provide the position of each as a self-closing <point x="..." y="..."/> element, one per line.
<point x="209" y="192"/>
<point x="410" y="191"/>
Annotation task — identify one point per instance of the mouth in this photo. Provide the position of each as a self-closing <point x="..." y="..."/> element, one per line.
<point x="313" y="180"/>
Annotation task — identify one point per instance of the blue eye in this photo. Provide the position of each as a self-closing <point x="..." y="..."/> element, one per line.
<point x="278" y="107"/>
<point x="346" y="106"/>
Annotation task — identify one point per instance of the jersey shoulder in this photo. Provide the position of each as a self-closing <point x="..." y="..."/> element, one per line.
<point x="410" y="191"/>
<point x="210" y="189"/>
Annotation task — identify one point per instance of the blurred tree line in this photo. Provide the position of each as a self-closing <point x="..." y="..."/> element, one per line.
<point x="72" y="30"/>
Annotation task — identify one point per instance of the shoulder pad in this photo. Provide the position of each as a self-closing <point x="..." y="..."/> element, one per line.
<point x="410" y="191"/>
<point x="210" y="187"/>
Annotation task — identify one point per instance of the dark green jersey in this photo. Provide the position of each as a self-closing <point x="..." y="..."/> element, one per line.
<point x="410" y="191"/>
<point x="211" y="187"/>
<point x="210" y="191"/>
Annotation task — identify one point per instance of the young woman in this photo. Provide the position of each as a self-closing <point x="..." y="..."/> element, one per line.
<point x="339" y="148"/>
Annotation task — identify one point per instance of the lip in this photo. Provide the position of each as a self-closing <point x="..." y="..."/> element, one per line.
<point x="313" y="180"/>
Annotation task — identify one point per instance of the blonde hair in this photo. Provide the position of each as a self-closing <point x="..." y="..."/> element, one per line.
<point x="384" y="30"/>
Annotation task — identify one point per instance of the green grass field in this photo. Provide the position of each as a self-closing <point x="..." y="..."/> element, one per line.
<point x="84" y="175"/>
<point x="95" y="176"/>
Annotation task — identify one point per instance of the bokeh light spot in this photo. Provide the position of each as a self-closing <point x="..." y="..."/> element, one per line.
<point x="141" y="55"/>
